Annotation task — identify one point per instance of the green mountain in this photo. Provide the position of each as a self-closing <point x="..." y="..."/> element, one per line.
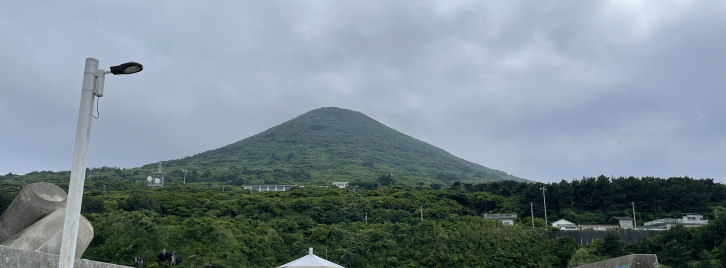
<point x="332" y="144"/>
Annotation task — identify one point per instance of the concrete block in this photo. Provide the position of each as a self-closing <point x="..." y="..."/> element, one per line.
<point x="35" y="202"/>
<point x="45" y="235"/>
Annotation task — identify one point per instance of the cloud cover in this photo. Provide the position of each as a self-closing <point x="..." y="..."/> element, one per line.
<point x="546" y="91"/>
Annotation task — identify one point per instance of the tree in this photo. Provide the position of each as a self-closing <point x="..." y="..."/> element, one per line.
<point x="675" y="254"/>
<point x="564" y="247"/>
<point x="386" y="180"/>
<point x="612" y="246"/>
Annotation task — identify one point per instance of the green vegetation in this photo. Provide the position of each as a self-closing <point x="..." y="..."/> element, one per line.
<point x="236" y="228"/>
<point x="331" y="144"/>
<point x="232" y="228"/>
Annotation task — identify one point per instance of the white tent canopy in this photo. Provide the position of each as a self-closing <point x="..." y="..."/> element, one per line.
<point x="310" y="261"/>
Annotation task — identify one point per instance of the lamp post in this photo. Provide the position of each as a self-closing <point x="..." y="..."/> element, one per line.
<point x="93" y="79"/>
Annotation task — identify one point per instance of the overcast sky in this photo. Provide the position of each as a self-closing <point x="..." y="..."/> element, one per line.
<point x="544" y="90"/>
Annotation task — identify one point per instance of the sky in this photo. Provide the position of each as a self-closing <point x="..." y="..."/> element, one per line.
<point x="544" y="90"/>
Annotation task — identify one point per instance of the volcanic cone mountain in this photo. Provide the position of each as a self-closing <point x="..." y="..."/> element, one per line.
<point x="333" y="144"/>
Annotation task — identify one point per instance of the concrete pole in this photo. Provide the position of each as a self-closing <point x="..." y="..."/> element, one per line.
<point x="421" y="213"/>
<point x="531" y="212"/>
<point x="544" y="201"/>
<point x="634" y="224"/>
<point x="78" y="169"/>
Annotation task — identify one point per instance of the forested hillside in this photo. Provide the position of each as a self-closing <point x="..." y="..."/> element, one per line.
<point x="331" y="144"/>
<point x="225" y="226"/>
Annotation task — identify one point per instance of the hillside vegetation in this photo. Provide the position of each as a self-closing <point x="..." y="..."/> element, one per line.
<point x="331" y="144"/>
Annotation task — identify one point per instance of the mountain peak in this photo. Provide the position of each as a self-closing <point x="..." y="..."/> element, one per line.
<point x="335" y="144"/>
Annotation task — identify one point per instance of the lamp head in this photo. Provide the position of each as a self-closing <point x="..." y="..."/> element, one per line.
<point x="127" y="68"/>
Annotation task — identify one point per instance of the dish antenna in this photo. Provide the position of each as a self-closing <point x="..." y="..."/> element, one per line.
<point x="157" y="178"/>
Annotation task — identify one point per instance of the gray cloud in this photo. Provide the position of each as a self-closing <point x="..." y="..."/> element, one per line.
<point x="546" y="91"/>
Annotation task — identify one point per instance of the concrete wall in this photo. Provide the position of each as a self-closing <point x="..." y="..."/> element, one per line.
<point x="627" y="261"/>
<point x="18" y="258"/>
<point x="585" y="237"/>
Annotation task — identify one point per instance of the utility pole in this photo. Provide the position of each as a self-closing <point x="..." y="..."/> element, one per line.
<point x="421" y="213"/>
<point x="634" y="224"/>
<point x="531" y="212"/>
<point x="544" y="201"/>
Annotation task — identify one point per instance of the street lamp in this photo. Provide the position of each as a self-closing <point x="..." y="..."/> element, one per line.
<point x="93" y="80"/>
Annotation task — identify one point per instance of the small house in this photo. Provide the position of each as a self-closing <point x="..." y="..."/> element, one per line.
<point x="624" y="222"/>
<point x="507" y="219"/>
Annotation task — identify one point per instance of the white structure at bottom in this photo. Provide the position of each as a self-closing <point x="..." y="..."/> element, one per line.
<point x="310" y="261"/>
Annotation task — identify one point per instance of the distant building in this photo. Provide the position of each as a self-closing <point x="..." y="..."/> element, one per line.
<point x="269" y="187"/>
<point x="597" y="227"/>
<point x="624" y="222"/>
<point x="507" y="219"/>
<point x="686" y="219"/>
<point x="563" y="224"/>
<point x="660" y="224"/>
<point x="691" y="220"/>
<point x="341" y="184"/>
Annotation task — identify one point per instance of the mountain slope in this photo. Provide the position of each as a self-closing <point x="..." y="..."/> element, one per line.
<point x="333" y="144"/>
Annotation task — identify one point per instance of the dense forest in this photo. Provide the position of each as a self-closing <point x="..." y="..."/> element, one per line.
<point x="382" y="225"/>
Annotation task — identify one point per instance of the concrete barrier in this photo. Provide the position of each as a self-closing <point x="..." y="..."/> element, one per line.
<point x="627" y="261"/>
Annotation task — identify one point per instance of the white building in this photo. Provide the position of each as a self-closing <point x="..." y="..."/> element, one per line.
<point x="269" y="187"/>
<point x="310" y="261"/>
<point x="507" y="219"/>
<point x="341" y="184"/>
<point x="563" y="224"/>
